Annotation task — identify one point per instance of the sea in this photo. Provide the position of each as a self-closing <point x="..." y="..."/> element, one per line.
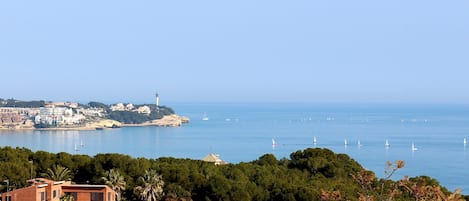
<point x="242" y="132"/>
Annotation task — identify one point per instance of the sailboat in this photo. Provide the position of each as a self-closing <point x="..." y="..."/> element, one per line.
<point x="81" y="143"/>
<point x="205" y="117"/>
<point x="386" y="144"/>
<point x="465" y="141"/>
<point x="413" y="147"/>
<point x="345" y="142"/>
<point x="76" y="149"/>
<point x="273" y="142"/>
<point x="315" y="141"/>
<point x="359" y="143"/>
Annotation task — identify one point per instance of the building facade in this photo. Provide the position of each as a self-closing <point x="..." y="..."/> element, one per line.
<point x="41" y="189"/>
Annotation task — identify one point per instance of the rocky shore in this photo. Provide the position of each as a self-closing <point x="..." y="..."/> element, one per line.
<point x="20" y="125"/>
<point x="166" y="121"/>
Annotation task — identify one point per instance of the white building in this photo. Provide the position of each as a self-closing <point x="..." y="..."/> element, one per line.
<point x="129" y="107"/>
<point x="144" y="110"/>
<point x="118" y="107"/>
<point x="57" y="116"/>
<point x="93" y="112"/>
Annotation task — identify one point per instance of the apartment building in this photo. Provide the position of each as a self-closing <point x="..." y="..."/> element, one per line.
<point x="42" y="189"/>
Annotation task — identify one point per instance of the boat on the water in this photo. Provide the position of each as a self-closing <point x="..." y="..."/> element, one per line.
<point x="205" y="117"/>
<point x="413" y="147"/>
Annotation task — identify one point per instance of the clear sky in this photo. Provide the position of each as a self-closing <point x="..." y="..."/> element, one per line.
<point x="208" y="51"/>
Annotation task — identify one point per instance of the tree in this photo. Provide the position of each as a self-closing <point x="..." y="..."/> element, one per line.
<point x="67" y="197"/>
<point x="116" y="181"/>
<point x="97" y="105"/>
<point x="58" y="173"/>
<point x="267" y="159"/>
<point x="152" y="188"/>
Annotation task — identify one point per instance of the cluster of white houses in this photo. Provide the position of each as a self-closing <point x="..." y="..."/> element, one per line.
<point x="66" y="116"/>
<point x="60" y="114"/>
<point x="51" y="114"/>
<point x="130" y="107"/>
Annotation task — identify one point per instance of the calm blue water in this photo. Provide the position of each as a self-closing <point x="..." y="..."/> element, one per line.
<point x="243" y="132"/>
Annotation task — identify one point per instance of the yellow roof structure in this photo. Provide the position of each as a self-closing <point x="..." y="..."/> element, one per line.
<point x="214" y="158"/>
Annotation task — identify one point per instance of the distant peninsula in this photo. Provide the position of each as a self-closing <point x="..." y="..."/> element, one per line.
<point x="49" y="115"/>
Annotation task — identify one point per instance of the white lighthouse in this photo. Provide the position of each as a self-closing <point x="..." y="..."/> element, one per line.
<point x="157" y="99"/>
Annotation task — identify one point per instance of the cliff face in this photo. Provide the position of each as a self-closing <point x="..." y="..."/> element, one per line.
<point x="170" y="120"/>
<point x="106" y="123"/>
<point x="167" y="121"/>
<point x="24" y="124"/>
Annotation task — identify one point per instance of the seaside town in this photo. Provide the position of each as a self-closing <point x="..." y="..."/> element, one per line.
<point x="15" y="114"/>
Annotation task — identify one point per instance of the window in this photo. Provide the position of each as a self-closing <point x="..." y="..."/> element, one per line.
<point x="54" y="193"/>
<point x="97" y="196"/>
<point x="8" y="198"/>
<point x="43" y="196"/>
<point x="108" y="196"/>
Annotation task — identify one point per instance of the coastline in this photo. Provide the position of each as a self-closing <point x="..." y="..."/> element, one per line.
<point x="82" y="128"/>
<point x="166" y="121"/>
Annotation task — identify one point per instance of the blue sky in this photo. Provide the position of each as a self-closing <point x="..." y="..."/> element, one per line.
<point x="237" y="51"/>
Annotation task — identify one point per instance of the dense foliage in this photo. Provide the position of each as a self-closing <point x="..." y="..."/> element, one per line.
<point x="26" y="104"/>
<point x="311" y="174"/>
<point x="132" y="117"/>
<point x="129" y="117"/>
<point x="98" y="105"/>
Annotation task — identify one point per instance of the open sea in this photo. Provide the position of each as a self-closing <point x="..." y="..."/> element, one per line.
<point x="243" y="132"/>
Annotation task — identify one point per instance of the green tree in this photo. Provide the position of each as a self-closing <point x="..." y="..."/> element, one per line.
<point x="267" y="159"/>
<point x="116" y="181"/>
<point x="67" y="197"/>
<point x="152" y="187"/>
<point x="98" y="105"/>
<point x="58" y="173"/>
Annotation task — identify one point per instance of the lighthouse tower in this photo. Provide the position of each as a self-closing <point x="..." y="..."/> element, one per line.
<point x="157" y="99"/>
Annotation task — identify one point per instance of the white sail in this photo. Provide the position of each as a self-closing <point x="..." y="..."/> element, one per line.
<point x="413" y="147"/>
<point x="465" y="141"/>
<point x="273" y="142"/>
<point x="386" y="144"/>
<point x="315" y="141"/>
<point x="345" y="142"/>
<point x="205" y="117"/>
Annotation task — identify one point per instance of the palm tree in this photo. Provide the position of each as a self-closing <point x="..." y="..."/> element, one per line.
<point x="116" y="181"/>
<point x="58" y="173"/>
<point x="152" y="189"/>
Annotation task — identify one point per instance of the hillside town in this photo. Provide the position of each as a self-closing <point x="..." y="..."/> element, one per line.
<point x="52" y="114"/>
<point x="15" y="114"/>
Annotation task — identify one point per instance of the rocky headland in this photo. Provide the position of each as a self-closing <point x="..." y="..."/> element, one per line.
<point x="167" y="121"/>
<point x="47" y="115"/>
